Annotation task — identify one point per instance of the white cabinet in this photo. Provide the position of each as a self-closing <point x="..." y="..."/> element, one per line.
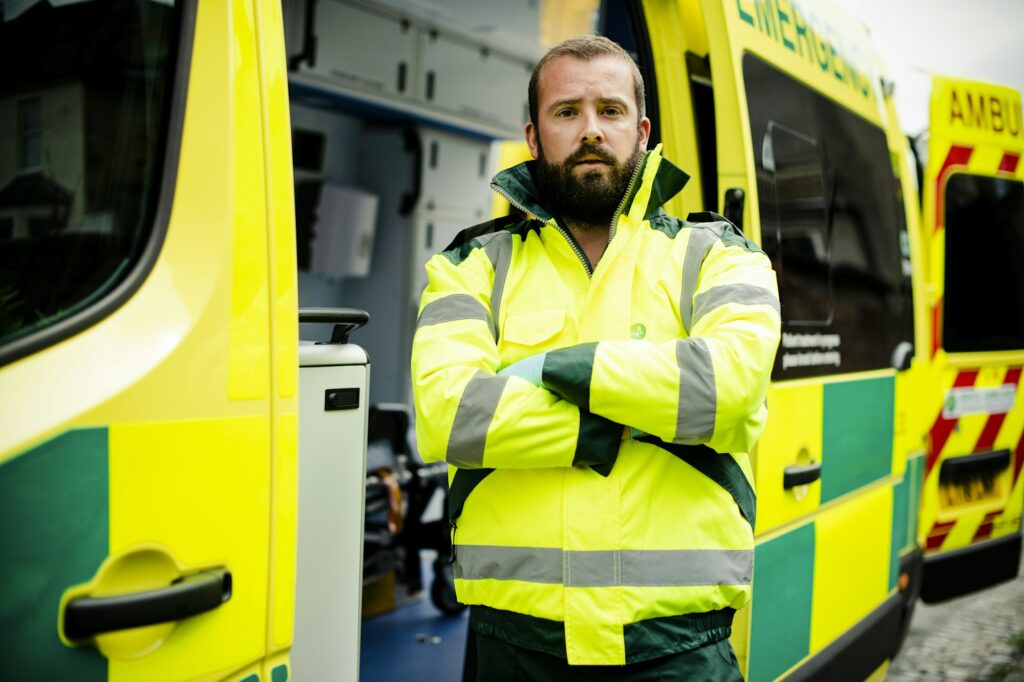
<point x="455" y="176"/>
<point x="363" y="49"/>
<point x="410" y="64"/>
<point x="472" y="81"/>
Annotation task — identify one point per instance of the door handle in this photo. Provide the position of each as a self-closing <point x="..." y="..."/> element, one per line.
<point x="186" y="596"/>
<point x="801" y="474"/>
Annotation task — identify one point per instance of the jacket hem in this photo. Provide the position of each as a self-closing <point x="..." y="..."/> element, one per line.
<point x="644" y="640"/>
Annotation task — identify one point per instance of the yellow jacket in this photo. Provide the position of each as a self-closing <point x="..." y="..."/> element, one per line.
<point x="601" y="502"/>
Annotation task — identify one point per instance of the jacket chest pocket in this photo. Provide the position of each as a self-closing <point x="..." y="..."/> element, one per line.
<point x="528" y="333"/>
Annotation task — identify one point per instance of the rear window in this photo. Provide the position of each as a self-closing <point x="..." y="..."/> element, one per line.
<point x="984" y="287"/>
<point x="84" y="100"/>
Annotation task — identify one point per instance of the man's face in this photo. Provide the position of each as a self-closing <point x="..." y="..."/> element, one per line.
<point x="588" y="137"/>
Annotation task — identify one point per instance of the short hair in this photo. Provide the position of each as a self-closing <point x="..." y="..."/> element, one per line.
<point x="585" y="48"/>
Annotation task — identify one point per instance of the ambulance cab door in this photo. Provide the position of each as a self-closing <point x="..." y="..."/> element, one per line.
<point x="973" y="229"/>
<point x="136" y="344"/>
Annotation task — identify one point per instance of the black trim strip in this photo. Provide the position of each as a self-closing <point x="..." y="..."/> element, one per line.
<point x="116" y="297"/>
<point x="969" y="569"/>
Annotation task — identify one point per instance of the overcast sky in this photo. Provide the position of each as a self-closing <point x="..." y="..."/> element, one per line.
<point x="977" y="39"/>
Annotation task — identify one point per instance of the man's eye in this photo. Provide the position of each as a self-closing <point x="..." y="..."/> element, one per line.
<point x="565" y="113"/>
<point x="612" y="111"/>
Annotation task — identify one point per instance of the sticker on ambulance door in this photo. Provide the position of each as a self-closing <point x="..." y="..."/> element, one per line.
<point x="964" y="401"/>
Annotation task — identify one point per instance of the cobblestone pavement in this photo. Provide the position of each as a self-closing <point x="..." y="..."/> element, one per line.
<point x="977" y="637"/>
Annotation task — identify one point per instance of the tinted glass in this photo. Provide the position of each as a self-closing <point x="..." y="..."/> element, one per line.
<point x="984" y="288"/>
<point x="795" y="225"/>
<point x="834" y="232"/>
<point x="82" y="121"/>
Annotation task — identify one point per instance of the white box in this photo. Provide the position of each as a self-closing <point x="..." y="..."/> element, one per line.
<point x="343" y="232"/>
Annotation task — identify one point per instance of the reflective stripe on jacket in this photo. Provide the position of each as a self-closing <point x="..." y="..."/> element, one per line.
<point x="603" y="498"/>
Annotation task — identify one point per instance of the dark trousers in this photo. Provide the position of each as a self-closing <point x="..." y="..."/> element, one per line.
<point x="493" y="660"/>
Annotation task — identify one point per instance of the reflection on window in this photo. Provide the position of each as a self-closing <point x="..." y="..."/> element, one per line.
<point x="30" y="133"/>
<point x="795" y="231"/>
<point x="984" y="289"/>
<point x="832" y="223"/>
<point x="81" y="145"/>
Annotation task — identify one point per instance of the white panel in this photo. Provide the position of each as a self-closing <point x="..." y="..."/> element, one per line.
<point x="512" y="24"/>
<point x="474" y="83"/>
<point x="456" y="175"/>
<point x="329" y="571"/>
<point x="343" y="232"/>
<point x="362" y="49"/>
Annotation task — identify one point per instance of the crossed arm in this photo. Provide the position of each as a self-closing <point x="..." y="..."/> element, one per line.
<point x="568" y="406"/>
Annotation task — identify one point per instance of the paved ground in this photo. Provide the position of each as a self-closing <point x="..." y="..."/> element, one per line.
<point x="977" y="637"/>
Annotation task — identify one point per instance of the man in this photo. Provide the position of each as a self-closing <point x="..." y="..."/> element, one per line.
<point x="593" y="371"/>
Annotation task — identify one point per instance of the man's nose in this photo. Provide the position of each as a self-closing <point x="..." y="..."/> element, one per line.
<point x="591" y="133"/>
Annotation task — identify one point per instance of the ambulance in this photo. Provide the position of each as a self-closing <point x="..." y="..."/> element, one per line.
<point x="972" y="235"/>
<point x="177" y="178"/>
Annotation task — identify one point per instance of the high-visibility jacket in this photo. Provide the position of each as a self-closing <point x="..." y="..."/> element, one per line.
<point x="607" y="514"/>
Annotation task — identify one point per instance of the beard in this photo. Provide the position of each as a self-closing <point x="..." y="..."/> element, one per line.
<point x="589" y="199"/>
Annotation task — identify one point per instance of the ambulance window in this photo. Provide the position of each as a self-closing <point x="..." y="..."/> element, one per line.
<point x="831" y="222"/>
<point x="82" y="135"/>
<point x="794" y="228"/>
<point x="984" y="290"/>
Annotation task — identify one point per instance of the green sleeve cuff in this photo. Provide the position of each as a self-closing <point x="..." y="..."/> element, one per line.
<point x="567" y="373"/>
<point x="597" y="444"/>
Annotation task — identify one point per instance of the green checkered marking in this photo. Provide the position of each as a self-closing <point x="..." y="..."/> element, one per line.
<point x="900" y="514"/>
<point x="54" y="512"/>
<point x="857" y="435"/>
<point x="780" y="619"/>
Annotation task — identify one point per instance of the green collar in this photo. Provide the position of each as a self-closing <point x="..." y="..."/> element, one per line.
<point x="517" y="185"/>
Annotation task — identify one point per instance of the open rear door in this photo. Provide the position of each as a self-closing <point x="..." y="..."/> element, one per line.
<point x="973" y="231"/>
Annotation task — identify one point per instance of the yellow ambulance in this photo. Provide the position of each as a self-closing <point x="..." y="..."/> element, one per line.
<point x="151" y="271"/>
<point x="973" y="256"/>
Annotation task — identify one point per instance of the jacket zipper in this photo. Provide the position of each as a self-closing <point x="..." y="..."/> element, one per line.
<point x="451" y="530"/>
<point x="573" y="244"/>
<point x="622" y="204"/>
<point x="561" y="230"/>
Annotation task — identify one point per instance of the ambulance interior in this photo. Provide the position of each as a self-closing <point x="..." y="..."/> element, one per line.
<point x="401" y="112"/>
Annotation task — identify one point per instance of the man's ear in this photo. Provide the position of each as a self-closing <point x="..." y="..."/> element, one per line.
<point x="530" y="132"/>
<point x="645" y="131"/>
